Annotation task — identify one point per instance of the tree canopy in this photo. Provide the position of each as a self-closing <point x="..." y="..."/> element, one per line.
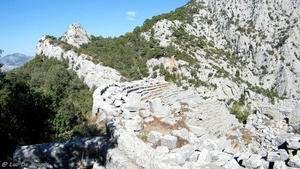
<point x="40" y="102"/>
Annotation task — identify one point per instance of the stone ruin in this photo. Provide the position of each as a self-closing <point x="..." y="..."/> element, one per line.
<point x="155" y="124"/>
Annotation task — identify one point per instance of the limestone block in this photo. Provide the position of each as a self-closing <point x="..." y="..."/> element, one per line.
<point x="135" y="124"/>
<point x="149" y="119"/>
<point x="294" y="161"/>
<point x="118" y="103"/>
<point x="220" y="158"/>
<point x="232" y="164"/>
<point x="254" y="161"/>
<point x="169" y="141"/>
<point x="273" y="156"/>
<point x="170" y="121"/>
<point x="193" y="165"/>
<point x="162" y="150"/>
<point x="145" y="113"/>
<point x="193" y="138"/>
<point x="154" y="136"/>
<point x="118" y="96"/>
<point x="133" y="102"/>
<point x="176" y="107"/>
<point x="118" y="159"/>
<point x="293" y="142"/>
<point x="143" y="154"/>
<point x="180" y="155"/>
<point x="205" y="156"/>
<point x="279" y="165"/>
<point x="283" y="154"/>
<point x="181" y="134"/>
<point x="198" y="131"/>
<point x="155" y="106"/>
<point x="194" y="156"/>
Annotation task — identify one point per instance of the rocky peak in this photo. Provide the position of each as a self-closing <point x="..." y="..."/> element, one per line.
<point x="76" y="35"/>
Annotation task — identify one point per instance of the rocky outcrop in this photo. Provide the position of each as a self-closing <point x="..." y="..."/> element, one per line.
<point x="92" y="74"/>
<point x="76" y="35"/>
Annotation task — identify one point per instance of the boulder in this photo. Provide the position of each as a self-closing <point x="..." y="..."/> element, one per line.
<point x="169" y="141"/>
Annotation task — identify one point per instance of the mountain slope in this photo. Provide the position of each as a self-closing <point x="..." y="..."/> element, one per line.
<point x="14" y="60"/>
<point x="248" y="45"/>
<point x="252" y="37"/>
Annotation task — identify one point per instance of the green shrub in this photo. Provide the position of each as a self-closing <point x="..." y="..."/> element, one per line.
<point x="239" y="113"/>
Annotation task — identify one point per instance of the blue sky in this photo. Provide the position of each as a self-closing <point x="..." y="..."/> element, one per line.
<point x="23" y="22"/>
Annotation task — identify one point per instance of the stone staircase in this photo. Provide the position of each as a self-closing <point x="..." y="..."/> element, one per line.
<point x="214" y="117"/>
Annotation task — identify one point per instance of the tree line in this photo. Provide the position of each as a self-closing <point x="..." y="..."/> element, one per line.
<point x="42" y="101"/>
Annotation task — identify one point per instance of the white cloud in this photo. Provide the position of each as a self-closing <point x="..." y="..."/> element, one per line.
<point x="131" y="15"/>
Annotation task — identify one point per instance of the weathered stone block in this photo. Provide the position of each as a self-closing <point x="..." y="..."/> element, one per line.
<point x="180" y="155"/>
<point x="169" y="141"/>
<point x="135" y="124"/>
<point x="279" y="165"/>
<point x="198" y="131"/>
<point x="294" y="162"/>
<point x="255" y="161"/>
<point x="205" y="156"/>
<point x="293" y="142"/>
<point x="118" y="103"/>
<point x="133" y="102"/>
<point x="145" y="113"/>
<point x="155" y="106"/>
<point x="181" y="134"/>
<point x="154" y="136"/>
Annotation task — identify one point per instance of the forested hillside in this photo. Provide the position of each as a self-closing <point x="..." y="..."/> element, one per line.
<point x="42" y="101"/>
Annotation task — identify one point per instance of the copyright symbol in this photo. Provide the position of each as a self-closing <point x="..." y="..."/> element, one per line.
<point x="4" y="164"/>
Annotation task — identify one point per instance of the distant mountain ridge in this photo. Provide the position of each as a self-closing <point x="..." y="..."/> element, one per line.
<point x="14" y="60"/>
